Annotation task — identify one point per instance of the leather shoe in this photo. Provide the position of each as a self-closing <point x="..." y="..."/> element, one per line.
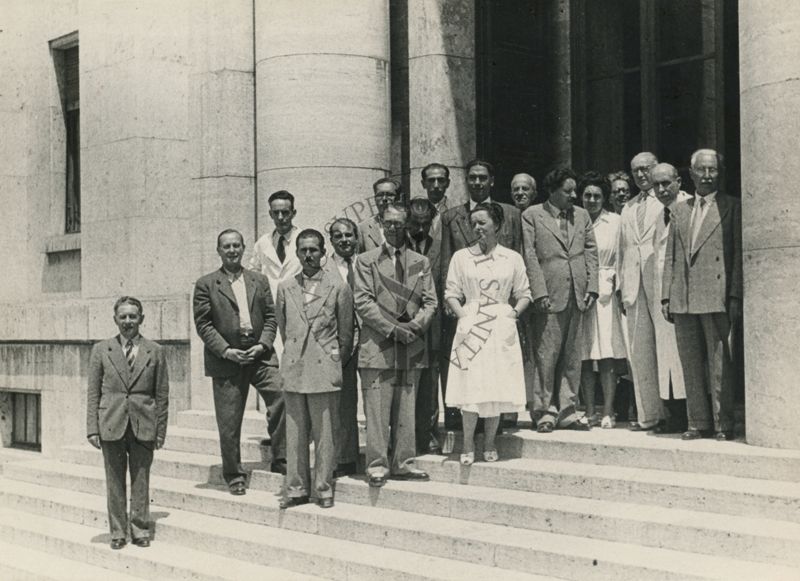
<point x="326" y="502"/>
<point x="288" y="502"/>
<point x="238" y="488"/>
<point x="278" y="466"/>
<point x="692" y="434"/>
<point x="376" y="481"/>
<point x="668" y="429"/>
<point x="418" y="475"/>
<point x="117" y="544"/>
<point x="725" y="436"/>
<point x="577" y="426"/>
<point x="637" y="427"/>
<point x="143" y="543"/>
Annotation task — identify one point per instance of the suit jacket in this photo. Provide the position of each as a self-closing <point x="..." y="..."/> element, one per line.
<point x="117" y="395"/>
<point x="457" y="232"/>
<point x="636" y="264"/>
<point x="216" y="317"/>
<point x="380" y="300"/>
<point x="317" y="335"/>
<point x="265" y="260"/>
<point x="434" y="256"/>
<point x="370" y="234"/>
<point x="556" y="266"/>
<point x="703" y="281"/>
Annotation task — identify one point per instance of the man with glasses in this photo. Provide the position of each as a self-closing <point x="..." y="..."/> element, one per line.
<point x="387" y="191"/>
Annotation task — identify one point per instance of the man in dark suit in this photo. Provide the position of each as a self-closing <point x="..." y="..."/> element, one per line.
<point x="395" y="299"/>
<point x="702" y="293"/>
<point x="561" y="259"/>
<point x="387" y="191"/>
<point x="457" y="234"/>
<point x="126" y="416"/>
<point x="421" y="239"/>
<point x="235" y="318"/>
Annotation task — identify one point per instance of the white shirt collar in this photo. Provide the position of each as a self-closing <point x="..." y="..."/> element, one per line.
<point x="472" y="203"/>
<point x="710" y="198"/>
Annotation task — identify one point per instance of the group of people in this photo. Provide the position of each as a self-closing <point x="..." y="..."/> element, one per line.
<point x="506" y="308"/>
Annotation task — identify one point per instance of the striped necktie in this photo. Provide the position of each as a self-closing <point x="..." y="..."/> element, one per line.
<point x="129" y="356"/>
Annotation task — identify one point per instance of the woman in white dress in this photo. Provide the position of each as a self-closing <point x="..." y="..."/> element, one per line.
<point x="486" y="376"/>
<point x="603" y="341"/>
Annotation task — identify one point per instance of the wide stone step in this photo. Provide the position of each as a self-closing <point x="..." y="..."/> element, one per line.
<point x="436" y="504"/>
<point x="301" y="552"/>
<point x="84" y="543"/>
<point x="705" y="492"/>
<point x="621" y="447"/>
<point x="254" y="421"/>
<point x="207" y="442"/>
<point x="20" y="563"/>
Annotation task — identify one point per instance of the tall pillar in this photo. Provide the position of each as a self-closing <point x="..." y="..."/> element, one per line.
<point x="322" y="104"/>
<point x="441" y="79"/>
<point x="769" y="45"/>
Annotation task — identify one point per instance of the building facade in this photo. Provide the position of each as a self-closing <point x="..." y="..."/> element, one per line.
<point x="134" y="131"/>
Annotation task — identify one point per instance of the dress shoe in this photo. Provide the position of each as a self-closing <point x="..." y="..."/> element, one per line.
<point x="288" y="502"/>
<point x="238" y="488"/>
<point x="117" y="544"/>
<point x="418" y="475"/>
<point x="637" y="427"/>
<point x="377" y="480"/>
<point x="435" y="450"/>
<point x="692" y="434"/>
<point x="467" y="459"/>
<point x="143" y="543"/>
<point x="724" y="436"/>
<point x="325" y="502"/>
<point x="608" y="423"/>
<point x="668" y="429"/>
<point x="578" y="426"/>
<point x="490" y="456"/>
<point x="545" y="427"/>
<point x="344" y="470"/>
<point x="278" y="466"/>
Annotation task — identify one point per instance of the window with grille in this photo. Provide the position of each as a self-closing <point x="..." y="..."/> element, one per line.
<point x="26" y="413"/>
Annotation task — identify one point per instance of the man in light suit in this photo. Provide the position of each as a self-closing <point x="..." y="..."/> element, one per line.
<point x="422" y="240"/>
<point x="235" y="318"/>
<point x="636" y="275"/>
<point x="457" y="233"/>
<point x="395" y="298"/>
<point x="315" y="316"/>
<point x="561" y="260"/>
<point x="343" y="233"/>
<point x="667" y="183"/>
<point x="126" y="416"/>
<point x="387" y="191"/>
<point x="702" y="293"/>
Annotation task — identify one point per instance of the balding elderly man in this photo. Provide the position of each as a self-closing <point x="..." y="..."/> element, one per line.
<point x="636" y="272"/>
<point x="702" y="293"/>
<point x="523" y="190"/>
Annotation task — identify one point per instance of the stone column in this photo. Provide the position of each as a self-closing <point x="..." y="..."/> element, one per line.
<point x="322" y="105"/>
<point x="769" y="44"/>
<point x="441" y="79"/>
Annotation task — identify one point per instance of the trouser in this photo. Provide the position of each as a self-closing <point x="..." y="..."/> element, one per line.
<point x="643" y="360"/>
<point x="389" y="398"/>
<point x="117" y="456"/>
<point x="452" y="416"/>
<point x="427" y="409"/>
<point x="230" y="397"/>
<point x="707" y="369"/>
<point x="347" y="421"/>
<point x="312" y="413"/>
<point x="557" y="366"/>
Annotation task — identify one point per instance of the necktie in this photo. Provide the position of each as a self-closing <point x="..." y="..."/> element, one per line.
<point x="697" y="222"/>
<point x="667" y="212"/>
<point x="420" y="243"/>
<point x="281" y="248"/>
<point x="641" y="214"/>
<point x="351" y="281"/>
<point x="562" y="219"/>
<point x="398" y="267"/>
<point x="129" y="356"/>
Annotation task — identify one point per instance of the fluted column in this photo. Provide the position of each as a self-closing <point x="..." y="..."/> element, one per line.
<point x="322" y="104"/>
<point x="769" y="45"/>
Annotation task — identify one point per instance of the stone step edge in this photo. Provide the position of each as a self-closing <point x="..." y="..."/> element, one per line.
<point x="618" y="553"/>
<point x="264" y="540"/>
<point x="173" y="556"/>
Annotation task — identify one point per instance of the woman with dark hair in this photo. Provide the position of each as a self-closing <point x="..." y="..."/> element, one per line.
<point x="486" y="376"/>
<point x="603" y="341"/>
<point x="620" y="183"/>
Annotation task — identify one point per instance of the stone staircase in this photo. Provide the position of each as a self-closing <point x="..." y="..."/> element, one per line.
<point x="608" y="504"/>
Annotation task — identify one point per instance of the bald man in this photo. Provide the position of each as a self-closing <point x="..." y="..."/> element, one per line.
<point x="523" y="190"/>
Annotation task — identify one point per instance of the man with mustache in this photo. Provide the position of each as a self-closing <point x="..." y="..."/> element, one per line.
<point x="235" y="318"/>
<point x="387" y="191"/>
<point x="457" y="234"/>
<point x="315" y="317"/>
<point x="702" y="294"/>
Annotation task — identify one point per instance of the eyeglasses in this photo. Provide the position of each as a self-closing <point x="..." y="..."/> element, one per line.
<point x="621" y="190"/>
